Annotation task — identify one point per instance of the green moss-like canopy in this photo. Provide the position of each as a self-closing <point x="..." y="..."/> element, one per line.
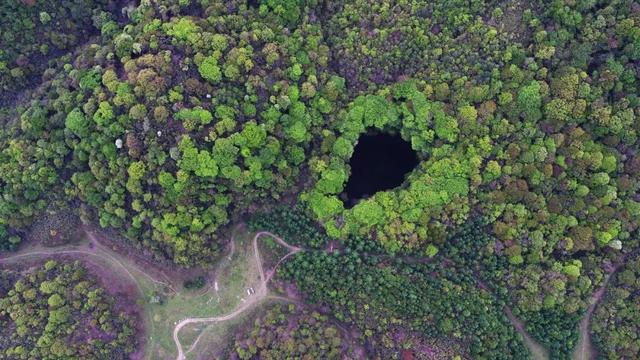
<point x="436" y="197"/>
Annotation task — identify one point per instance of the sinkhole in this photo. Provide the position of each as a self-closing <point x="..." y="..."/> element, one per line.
<point x="380" y="161"/>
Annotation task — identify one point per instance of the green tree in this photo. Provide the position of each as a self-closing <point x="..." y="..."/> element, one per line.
<point x="209" y="69"/>
<point x="530" y="101"/>
<point x="77" y="123"/>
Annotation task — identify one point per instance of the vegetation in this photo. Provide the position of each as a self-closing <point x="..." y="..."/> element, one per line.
<point x="58" y="311"/>
<point x="169" y="121"/>
<point x="378" y="295"/>
<point x="34" y="31"/>
<point x="142" y="132"/>
<point x="291" y="333"/>
<point x="196" y="283"/>
<point x="615" y="321"/>
<point x="292" y="224"/>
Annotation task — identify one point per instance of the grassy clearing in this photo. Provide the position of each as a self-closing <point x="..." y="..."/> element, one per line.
<point x="233" y="276"/>
<point x="218" y="336"/>
<point x="209" y="333"/>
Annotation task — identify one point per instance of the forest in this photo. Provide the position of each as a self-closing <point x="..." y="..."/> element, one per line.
<point x="58" y="311"/>
<point x="169" y="122"/>
<point x="290" y="333"/>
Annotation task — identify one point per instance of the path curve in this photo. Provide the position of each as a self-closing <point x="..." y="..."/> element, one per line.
<point x="538" y="351"/>
<point x="106" y="252"/>
<point x="100" y="252"/>
<point x="69" y="252"/>
<point x="584" y="348"/>
<point x="261" y="292"/>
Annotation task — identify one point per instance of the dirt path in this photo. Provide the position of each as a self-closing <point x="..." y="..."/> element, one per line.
<point x="109" y="261"/>
<point x="584" y="350"/>
<point x="260" y="294"/>
<point x="538" y="351"/>
<point x="97" y="251"/>
<point x="94" y="248"/>
<point x="105" y="252"/>
<point x="44" y="253"/>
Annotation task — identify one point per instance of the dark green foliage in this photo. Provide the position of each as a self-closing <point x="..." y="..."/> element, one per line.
<point x="291" y="224"/>
<point x="32" y="31"/>
<point x="288" y="10"/>
<point x="413" y="38"/>
<point x="140" y="142"/>
<point x="555" y="329"/>
<point x="171" y="126"/>
<point x="471" y="248"/>
<point x="365" y="292"/>
<point x="196" y="283"/>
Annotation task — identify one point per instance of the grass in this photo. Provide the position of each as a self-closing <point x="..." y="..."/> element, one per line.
<point x="219" y="335"/>
<point x="233" y="276"/>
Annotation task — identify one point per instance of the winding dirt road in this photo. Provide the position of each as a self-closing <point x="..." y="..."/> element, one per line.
<point x="584" y="349"/>
<point x="260" y="294"/>
<point x="99" y="251"/>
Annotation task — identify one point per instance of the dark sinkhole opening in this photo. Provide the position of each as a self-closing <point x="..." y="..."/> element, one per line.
<point x="380" y="161"/>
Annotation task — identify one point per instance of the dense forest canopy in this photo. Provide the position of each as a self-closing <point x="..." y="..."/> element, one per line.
<point x="170" y="120"/>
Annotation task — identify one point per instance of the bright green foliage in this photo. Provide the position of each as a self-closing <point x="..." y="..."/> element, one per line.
<point x="431" y="251"/>
<point x="297" y="131"/>
<point x="368" y="213"/>
<point x="343" y="148"/>
<point x="195" y="117"/>
<point x="446" y="127"/>
<point x="233" y="105"/>
<point x="183" y="29"/>
<point x="207" y="167"/>
<point x="468" y="114"/>
<point x="77" y="122"/>
<point x="332" y="181"/>
<point x="572" y="270"/>
<point x="104" y="115"/>
<point x="324" y="206"/>
<point x="209" y="69"/>
<point x="395" y="217"/>
<point x="90" y="80"/>
<point x="530" y="101"/>
<point x="55" y="301"/>
<point x="124" y="45"/>
<point x="254" y="135"/>
<point x="492" y="171"/>
<point x="136" y="170"/>
<point x="219" y="42"/>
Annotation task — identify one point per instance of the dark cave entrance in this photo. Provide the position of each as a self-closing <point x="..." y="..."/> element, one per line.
<point x="380" y="162"/>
